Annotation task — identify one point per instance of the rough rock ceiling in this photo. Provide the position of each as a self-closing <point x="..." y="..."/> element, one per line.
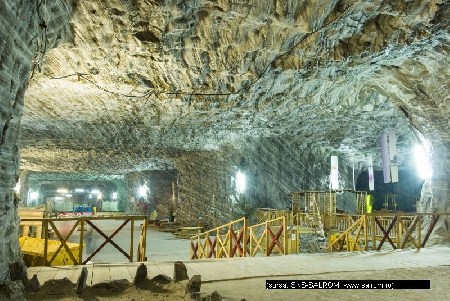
<point x="126" y="85"/>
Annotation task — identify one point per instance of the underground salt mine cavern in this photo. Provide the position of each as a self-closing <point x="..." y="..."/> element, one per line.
<point x="146" y="145"/>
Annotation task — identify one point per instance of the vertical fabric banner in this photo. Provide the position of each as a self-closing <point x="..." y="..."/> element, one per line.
<point x="392" y="143"/>
<point x="353" y="163"/>
<point x="385" y="158"/>
<point x="334" y="173"/>
<point x="371" y="180"/>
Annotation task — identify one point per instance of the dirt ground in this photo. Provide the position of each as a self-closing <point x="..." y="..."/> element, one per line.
<point x="254" y="289"/>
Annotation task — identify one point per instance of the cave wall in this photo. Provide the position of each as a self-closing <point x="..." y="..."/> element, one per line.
<point x="159" y="194"/>
<point x="274" y="167"/>
<point x="17" y="49"/>
<point x="28" y="29"/>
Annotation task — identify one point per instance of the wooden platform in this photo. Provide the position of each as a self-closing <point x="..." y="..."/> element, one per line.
<point x="187" y="232"/>
<point x="168" y="226"/>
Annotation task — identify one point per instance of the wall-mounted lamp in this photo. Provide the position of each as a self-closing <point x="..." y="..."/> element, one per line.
<point x="143" y="191"/>
<point x="240" y="182"/>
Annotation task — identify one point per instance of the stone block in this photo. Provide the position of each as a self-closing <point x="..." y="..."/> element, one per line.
<point x="180" y="272"/>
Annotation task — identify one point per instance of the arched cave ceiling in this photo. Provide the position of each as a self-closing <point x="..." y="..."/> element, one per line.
<point x="126" y="85"/>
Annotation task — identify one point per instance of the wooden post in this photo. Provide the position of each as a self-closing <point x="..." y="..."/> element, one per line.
<point x="399" y="231"/>
<point x="39" y="231"/>
<point x="285" y="238"/>
<point x="218" y="244"/>
<point x="266" y="247"/>
<point x="25" y="230"/>
<point x="80" y="247"/>
<point x="131" y="239"/>
<point x="144" y="244"/>
<point x="230" y="240"/>
<point x="419" y="230"/>
<point x="365" y="232"/>
<point x="245" y="237"/>
<point x="374" y="236"/>
<point x="45" y="224"/>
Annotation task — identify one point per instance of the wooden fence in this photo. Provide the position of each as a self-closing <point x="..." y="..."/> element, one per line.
<point x="224" y="241"/>
<point x="399" y="230"/>
<point x="80" y="224"/>
<point x="237" y="239"/>
<point x="347" y="233"/>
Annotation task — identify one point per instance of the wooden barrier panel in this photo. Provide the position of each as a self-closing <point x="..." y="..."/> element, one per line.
<point x="281" y="235"/>
<point x="230" y="240"/>
<point x="268" y="237"/>
<point x="352" y="239"/>
<point x="27" y="213"/>
<point x="82" y="222"/>
<point x="395" y="230"/>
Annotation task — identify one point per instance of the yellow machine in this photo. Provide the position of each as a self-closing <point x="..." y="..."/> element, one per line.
<point x="351" y="245"/>
<point x="33" y="252"/>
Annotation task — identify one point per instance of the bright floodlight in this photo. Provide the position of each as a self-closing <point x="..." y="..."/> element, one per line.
<point x="422" y="162"/>
<point x="240" y="182"/>
<point x="62" y="191"/>
<point x="143" y="191"/>
<point x="17" y="187"/>
<point x="34" y="195"/>
<point x="114" y="195"/>
<point x="95" y="191"/>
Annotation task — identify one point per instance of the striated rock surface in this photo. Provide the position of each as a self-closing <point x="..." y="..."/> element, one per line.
<point x="133" y="85"/>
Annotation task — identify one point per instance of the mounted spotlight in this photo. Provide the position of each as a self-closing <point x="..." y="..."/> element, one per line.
<point x="62" y="191"/>
<point x="143" y="191"/>
<point x="240" y="182"/>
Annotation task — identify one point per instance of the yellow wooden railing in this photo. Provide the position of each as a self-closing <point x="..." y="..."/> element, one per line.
<point x="237" y="239"/>
<point x="229" y="240"/>
<point x="354" y="238"/>
<point x="269" y="237"/>
<point x="347" y="233"/>
<point x="80" y="224"/>
<point x="398" y="230"/>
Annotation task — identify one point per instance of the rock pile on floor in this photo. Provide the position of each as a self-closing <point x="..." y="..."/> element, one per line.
<point x="160" y="287"/>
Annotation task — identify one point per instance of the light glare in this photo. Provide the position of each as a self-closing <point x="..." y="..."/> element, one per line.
<point x="422" y="162"/>
<point x="143" y="191"/>
<point x="240" y="182"/>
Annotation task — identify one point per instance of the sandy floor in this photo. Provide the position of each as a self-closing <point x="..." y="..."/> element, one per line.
<point x="163" y="246"/>
<point x="254" y="289"/>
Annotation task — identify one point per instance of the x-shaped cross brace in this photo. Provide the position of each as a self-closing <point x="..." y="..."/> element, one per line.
<point x="108" y="240"/>
<point x="63" y="243"/>
<point x="275" y="240"/>
<point x="237" y="243"/>
<point x="194" y="247"/>
<point x="212" y="251"/>
<point x="386" y="233"/>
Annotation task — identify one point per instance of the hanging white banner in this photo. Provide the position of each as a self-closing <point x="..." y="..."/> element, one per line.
<point x="393" y="156"/>
<point x="334" y="173"/>
<point x="385" y="158"/>
<point x="370" y="169"/>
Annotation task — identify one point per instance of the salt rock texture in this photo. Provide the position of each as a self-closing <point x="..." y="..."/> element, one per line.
<point x="131" y="85"/>
<point x="202" y="86"/>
